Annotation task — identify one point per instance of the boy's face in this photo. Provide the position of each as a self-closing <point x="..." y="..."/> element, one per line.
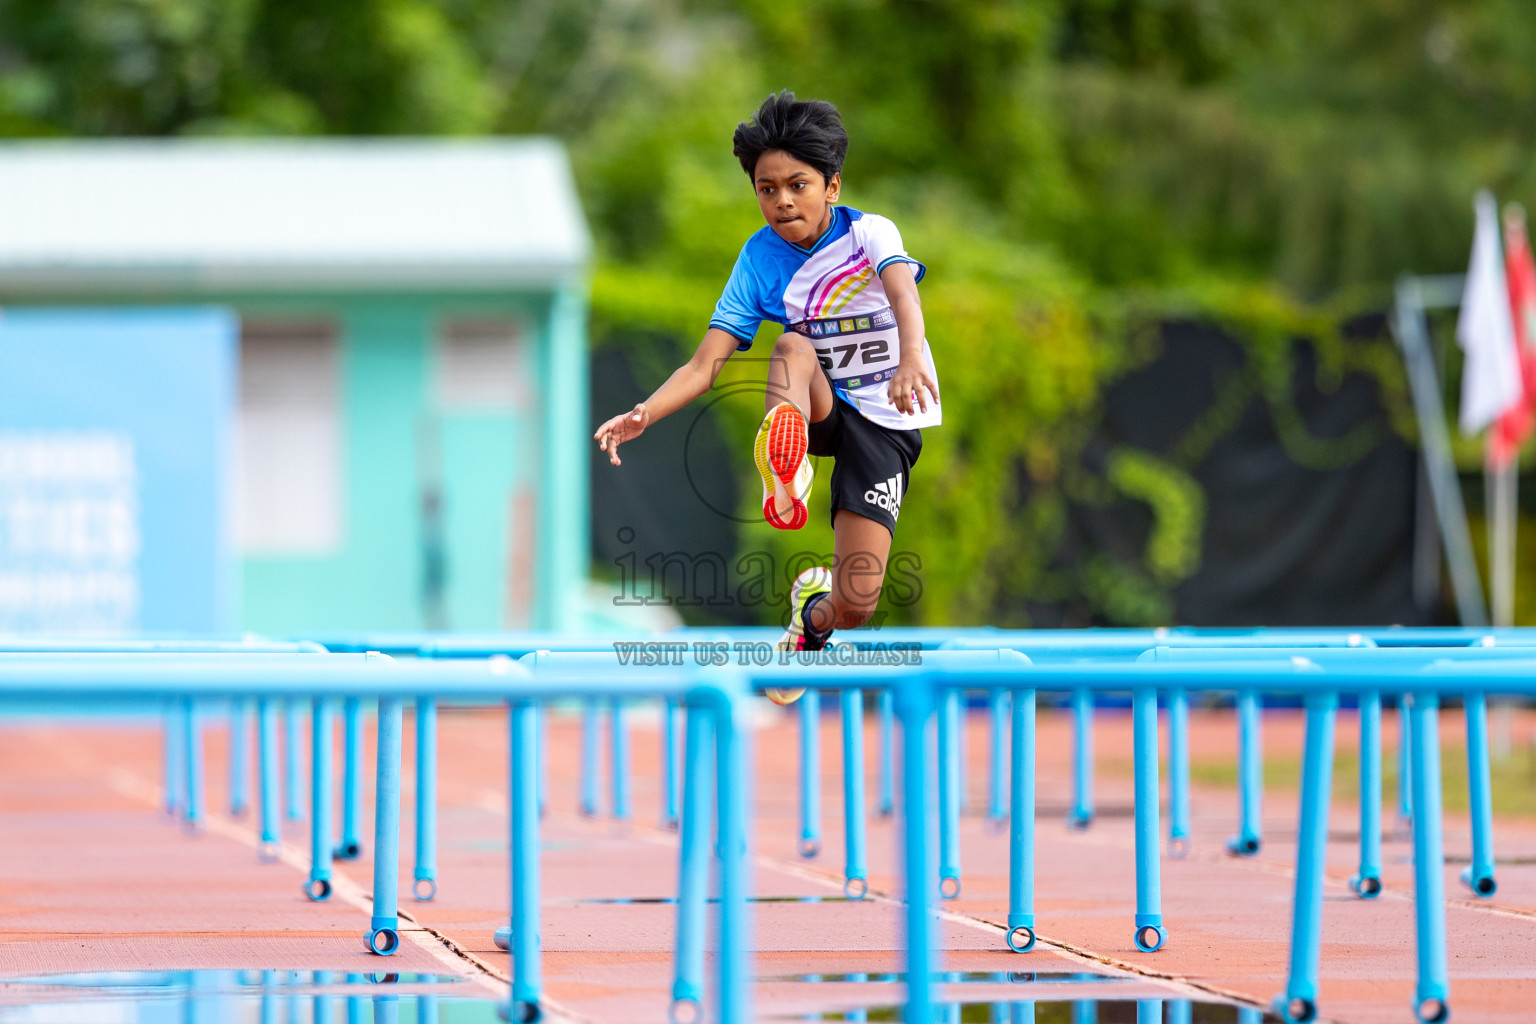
<point x="796" y="200"/>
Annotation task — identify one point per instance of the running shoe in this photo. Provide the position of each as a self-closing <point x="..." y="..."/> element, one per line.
<point x="780" y="454"/>
<point x="809" y="584"/>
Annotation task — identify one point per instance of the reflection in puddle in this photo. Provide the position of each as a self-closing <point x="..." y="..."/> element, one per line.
<point x="322" y="997"/>
<point x="242" y="997"/>
<point x="653" y="900"/>
<point x="1082" y="1011"/>
<point x="1006" y="977"/>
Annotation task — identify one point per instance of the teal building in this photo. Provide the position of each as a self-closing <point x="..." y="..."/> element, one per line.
<point x="410" y="428"/>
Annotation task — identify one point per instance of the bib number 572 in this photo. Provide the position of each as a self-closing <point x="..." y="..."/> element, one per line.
<point x="877" y="350"/>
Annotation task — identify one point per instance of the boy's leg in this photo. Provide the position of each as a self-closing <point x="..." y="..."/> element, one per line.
<point x="795" y="375"/>
<point x="796" y="395"/>
<point x="860" y="550"/>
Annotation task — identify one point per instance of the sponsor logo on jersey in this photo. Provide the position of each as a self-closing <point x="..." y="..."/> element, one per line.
<point x="886" y="495"/>
<point x="879" y="320"/>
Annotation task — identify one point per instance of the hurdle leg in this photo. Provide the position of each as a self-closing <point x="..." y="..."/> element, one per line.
<point x="318" y="887"/>
<point x="542" y="714"/>
<point x="1250" y="776"/>
<point x="1478" y="876"/>
<point x="1432" y="993"/>
<point x="618" y="758"/>
<point x="996" y="776"/>
<point x="1149" y="1011"/>
<point x="1178" y="772"/>
<point x="266" y="771"/>
<point x="589" y="730"/>
<point x="886" y="702"/>
<point x="855" y="869"/>
<point x="669" y="787"/>
<point x="527" y="973"/>
<point x="1179" y="1011"/>
<point x="1085" y="1011"/>
<point x="693" y="866"/>
<point x="1404" y="755"/>
<point x="384" y="926"/>
<point x="351" y="845"/>
<point x="1082" y="759"/>
<point x="1298" y="1004"/>
<point x="810" y="773"/>
<point x="291" y="778"/>
<point x="1021" y="825"/>
<point x="174" y="773"/>
<point x="239" y="759"/>
<point x="192" y="745"/>
<point x="1366" y="882"/>
<point x="914" y="706"/>
<point x="949" y="794"/>
<point x="1150" y="935"/>
<point x="732" y="758"/>
<point x="424" y="884"/>
<point x="962" y="762"/>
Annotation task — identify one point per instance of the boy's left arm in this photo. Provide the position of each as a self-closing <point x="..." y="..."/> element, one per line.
<point x="913" y="386"/>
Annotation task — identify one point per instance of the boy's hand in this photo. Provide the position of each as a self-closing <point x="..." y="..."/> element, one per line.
<point x="626" y="426"/>
<point x="912" y="380"/>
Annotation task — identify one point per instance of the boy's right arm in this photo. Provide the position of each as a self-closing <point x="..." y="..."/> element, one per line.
<point x="687" y="382"/>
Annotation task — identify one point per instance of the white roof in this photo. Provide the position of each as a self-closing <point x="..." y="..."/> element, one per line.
<point x="286" y="215"/>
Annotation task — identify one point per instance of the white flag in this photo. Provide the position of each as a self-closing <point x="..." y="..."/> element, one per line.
<point x="1490" y="379"/>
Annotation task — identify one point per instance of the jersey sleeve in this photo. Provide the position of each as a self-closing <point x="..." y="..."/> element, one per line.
<point x="739" y="312"/>
<point x="883" y="242"/>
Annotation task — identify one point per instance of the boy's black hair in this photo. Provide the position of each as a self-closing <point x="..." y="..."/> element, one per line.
<point x="811" y="131"/>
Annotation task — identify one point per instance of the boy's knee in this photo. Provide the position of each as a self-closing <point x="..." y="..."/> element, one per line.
<point x="793" y="347"/>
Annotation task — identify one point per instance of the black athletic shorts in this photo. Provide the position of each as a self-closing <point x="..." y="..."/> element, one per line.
<point x="874" y="463"/>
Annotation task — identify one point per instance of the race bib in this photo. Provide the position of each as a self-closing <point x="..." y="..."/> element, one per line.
<point x="855" y="350"/>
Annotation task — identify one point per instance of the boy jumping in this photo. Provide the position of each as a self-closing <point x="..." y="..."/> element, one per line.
<point x="852" y="376"/>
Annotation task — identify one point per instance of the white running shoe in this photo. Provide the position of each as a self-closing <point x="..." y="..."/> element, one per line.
<point x="810" y="583"/>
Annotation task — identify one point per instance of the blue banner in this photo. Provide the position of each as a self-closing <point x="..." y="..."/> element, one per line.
<point x="115" y="444"/>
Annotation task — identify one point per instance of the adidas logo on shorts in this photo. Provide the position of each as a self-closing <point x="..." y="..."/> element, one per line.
<point x="886" y="495"/>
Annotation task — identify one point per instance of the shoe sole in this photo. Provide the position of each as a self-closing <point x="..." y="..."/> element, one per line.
<point x="779" y="450"/>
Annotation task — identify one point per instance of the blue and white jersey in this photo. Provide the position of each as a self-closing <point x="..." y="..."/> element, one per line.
<point x="831" y="294"/>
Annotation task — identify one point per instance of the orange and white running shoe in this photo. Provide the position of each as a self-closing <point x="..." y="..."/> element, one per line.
<point x="780" y="454"/>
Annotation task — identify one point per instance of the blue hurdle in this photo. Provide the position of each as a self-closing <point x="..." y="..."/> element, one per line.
<point x="194" y="678"/>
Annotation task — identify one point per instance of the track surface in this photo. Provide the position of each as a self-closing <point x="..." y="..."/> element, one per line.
<point x="93" y="878"/>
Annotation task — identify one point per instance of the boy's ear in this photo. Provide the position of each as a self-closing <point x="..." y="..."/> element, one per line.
<point x="834" y="187"/>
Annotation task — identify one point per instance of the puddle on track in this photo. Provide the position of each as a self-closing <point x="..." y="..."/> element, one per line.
<point x="325" y="997"/>
<point x="1088" y="1011"/>
<point x="245" y="997"/>
<point x="1004" y="977"/>
<point x="653" y="900"/>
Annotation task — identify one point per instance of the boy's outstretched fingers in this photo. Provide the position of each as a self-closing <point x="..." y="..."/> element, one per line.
<point x="623" y="427"/>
